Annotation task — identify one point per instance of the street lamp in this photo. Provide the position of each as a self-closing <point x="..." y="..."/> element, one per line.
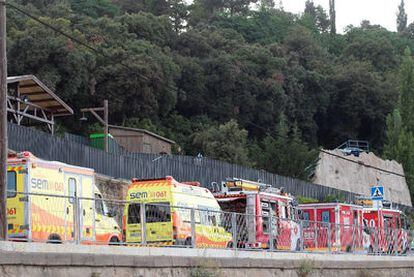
<point x="103" y="120"/>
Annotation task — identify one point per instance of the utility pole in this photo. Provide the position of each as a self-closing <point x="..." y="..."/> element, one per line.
<point x="104" y="121"/>
<point x="3" y="122"/>
<point x="332" y="16"/>
<point x="106" y="132"/>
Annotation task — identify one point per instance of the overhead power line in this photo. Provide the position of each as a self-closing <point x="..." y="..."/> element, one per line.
<point x="362" y="163"/>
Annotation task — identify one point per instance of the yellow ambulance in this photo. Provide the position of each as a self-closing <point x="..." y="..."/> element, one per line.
<point x="168" y="214"/>
<point x="41" y="206"/>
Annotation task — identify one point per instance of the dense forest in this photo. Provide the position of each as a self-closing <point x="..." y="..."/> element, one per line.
<point x="238" y="80"/>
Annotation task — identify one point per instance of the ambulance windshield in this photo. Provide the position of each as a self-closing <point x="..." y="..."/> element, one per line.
<point x="154" y="212"/>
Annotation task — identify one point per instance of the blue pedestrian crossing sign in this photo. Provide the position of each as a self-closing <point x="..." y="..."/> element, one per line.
<point x="377" y="193"/>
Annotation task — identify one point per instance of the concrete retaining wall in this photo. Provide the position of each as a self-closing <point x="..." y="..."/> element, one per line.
<point x="29" y="259"/>
<point x="353" y="176"/>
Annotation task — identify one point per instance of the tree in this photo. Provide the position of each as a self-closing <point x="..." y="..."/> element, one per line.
<point x="315" y="17"/>
<point x="407" y="90"/>
<point x="305" y="82"/>
<point x="178" y="14"/>
<point x="267" y="4"/>
<point x="156" y="29"/>
<point x="286" y="154"/>
<point x="332" y="16"/>
<point x="360" y="102"/>
<point x="238" y="7"/>
<point x="409" y="31"/>
<point x="95" y="8"/>
<point x="399" y="143"/>
<point x="401" y="18"/>
<point x="258" y="26"/>
<point x="227" y="142"/>
<point x="393" y="135"/>
<point x="373" y="44"/>
<point x="399" y="146"/>
<point x="156" y="7"/>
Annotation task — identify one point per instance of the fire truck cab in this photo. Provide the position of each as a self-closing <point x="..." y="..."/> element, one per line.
<point x="265" y="215"/>
<point x="388" y="229"/>
<point x="334" y="226"/>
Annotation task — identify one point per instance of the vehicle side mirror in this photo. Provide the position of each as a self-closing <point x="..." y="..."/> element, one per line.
<point x="112" y="213"/>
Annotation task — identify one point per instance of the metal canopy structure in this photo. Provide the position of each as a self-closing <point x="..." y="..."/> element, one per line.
<point x="28" y="98"/>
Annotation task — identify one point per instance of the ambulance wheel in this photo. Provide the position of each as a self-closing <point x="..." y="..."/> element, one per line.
<point x="54" y="238"/>
<point x="114" y="241"/>
<point x="230" y="244"/>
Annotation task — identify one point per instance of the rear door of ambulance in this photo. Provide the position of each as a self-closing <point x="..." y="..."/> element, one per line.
<point x="157" y="197"/>
<point x="17" y="216"/>
<point x="73" y="183"/>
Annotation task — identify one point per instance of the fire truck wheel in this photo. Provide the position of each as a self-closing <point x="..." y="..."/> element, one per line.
<point x="54" y="238"/>
<point x="406" y="249"/>
<point x="188" y="242"/>
<point x="230" y="244"/>
<point x="274" y="244"/>
<point x="370" y="250"/>
<point x="298" y="245"/>
<point x="241" y="244"/>
<point x="114" y="241"/>
<point x="390" y="249"/>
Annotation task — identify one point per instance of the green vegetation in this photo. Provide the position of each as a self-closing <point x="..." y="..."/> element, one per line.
<point x="334" y="198"/>
<point x="306" y="200"/>
<point x="328" y="199"/>
<point x="201" y="272"/>
<point x="259" y="87"/>
<point x="305" y="268"/>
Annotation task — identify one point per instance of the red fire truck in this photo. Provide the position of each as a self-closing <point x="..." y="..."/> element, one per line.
<point x="334" y="226"/>
<point x="387" y="228"/>
<point x="265" y="215"/>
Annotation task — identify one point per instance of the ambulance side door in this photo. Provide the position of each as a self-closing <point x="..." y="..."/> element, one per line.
<point x="73" y="187"/>
<point x="87" y="206"/>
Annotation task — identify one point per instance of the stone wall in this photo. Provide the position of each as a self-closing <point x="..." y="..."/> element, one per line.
<point x="112" y="188"/>
<point x="343" y="174"/>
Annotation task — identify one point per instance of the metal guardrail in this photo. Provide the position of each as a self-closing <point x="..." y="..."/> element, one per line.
<point x="61" y="219"/>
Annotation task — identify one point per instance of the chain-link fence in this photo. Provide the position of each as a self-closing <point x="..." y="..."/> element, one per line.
<point x="61" y="219"/>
